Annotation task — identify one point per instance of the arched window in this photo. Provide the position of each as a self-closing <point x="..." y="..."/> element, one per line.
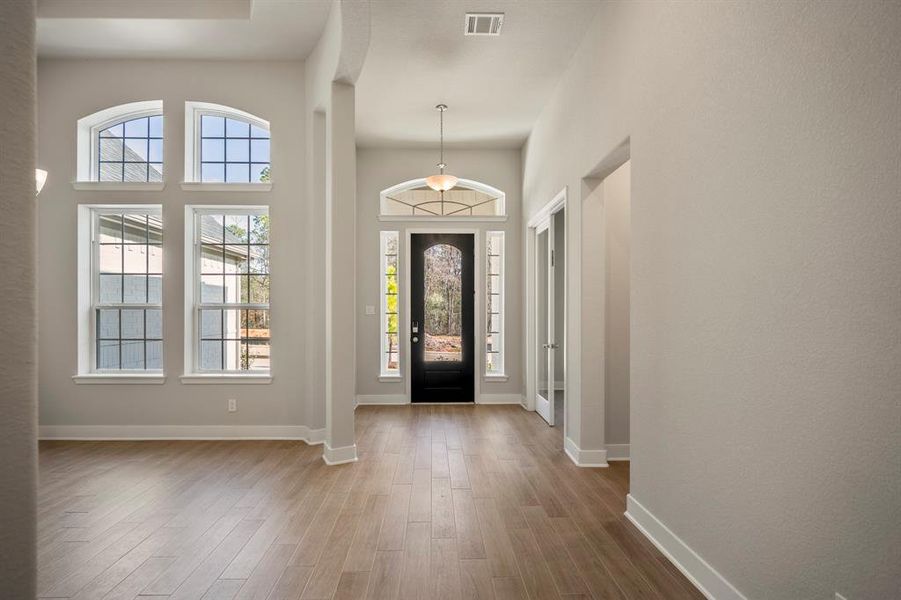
<point x="225" y="146"/>
<point x="414" y="200"/>
<point x="122" y="144"/>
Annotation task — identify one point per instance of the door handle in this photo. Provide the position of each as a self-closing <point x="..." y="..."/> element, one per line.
<point x="550" y="346"/>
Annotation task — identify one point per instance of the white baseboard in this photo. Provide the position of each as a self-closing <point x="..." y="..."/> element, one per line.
<point x="500" y="399"/>
<point x="585" y="458"/>
<point x="181" y="432"/>
<point x="339" y="456"/>
<point x="617" y="452"/>
<point x="704" y="577"/>
<point x="381" y="400"/>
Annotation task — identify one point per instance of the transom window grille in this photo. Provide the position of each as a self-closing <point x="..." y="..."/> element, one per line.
<point x="127" y="300"/>
<point x="414" y="199"/>
<point x="131" y="150"/>
<point x="390" y="344"/>
<point x="232" y="290"/>
<point x="494" y="287"/>
<point x="233" y="150"/>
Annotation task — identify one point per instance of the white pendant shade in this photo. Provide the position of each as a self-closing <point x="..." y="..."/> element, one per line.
<point x="40" y="178"/>
<point x="442" y="182"/>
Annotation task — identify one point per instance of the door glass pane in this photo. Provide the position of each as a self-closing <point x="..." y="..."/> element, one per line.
<point x="443" y="327"/>
<point x="541" y="287"/>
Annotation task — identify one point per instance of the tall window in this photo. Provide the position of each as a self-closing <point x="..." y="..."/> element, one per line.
<point x="494" y="339"/>
<point x="131" y="150"/>
<point x="390" y="363"/>
<point x="127" y="299"/>
<point x="231" y="290"/>
<point x="233" y="149"/>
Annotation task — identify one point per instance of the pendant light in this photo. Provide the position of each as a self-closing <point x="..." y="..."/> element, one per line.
<point x="441" y="182"/>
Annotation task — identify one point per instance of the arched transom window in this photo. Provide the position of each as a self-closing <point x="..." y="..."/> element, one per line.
<point x="414" y="199"/>
<point x="131" y="150"/>
<point x="122" y="144"/>
<point x="226" y="145"/>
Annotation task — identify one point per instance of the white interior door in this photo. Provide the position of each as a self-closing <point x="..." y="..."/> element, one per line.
<point x="544" y="316"/>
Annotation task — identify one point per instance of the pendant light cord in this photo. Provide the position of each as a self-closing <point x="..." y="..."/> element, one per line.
<point x="441" y="126"/>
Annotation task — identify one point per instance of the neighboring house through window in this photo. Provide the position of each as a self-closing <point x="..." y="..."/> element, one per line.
<point x="120" y="283"/>
<point x="122" y="144"/>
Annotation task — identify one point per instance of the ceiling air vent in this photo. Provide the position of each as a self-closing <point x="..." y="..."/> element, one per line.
<point x="484" y="23"/>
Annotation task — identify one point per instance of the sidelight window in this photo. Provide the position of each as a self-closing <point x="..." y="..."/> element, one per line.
<point x="390" y="340"/>
<point x="494" y="301"/>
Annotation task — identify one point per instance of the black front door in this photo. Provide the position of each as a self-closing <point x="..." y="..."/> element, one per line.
<point x="441" y="317"/>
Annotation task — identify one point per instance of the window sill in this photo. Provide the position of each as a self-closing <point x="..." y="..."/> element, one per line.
<point x="196" y="186"/>
<point x="225" y="378"/>
<point x="120" y="378"/>
<point x="498" y="377"/>
<point x="391" y="378"/>
<point x="118" y="186"/>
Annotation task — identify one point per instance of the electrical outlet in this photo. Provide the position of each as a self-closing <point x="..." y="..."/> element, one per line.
<point x="232" y="405"/>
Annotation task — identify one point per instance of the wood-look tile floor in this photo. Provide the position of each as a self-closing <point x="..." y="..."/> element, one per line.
<point x="445" y="502"/>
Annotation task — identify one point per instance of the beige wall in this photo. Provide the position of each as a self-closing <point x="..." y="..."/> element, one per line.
<point x="379" y="169"/>
<point x="69" y="90"/>
<point x="616" y="325"/>
<point x="18" y="319"/>
<point x="766" y="294"/>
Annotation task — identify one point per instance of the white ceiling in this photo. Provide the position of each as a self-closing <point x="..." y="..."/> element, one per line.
<point x="200" y="29"/>
<point x="494" y="87"/>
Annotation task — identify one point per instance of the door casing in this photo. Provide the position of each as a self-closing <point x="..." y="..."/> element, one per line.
<point x="555" y="205"/>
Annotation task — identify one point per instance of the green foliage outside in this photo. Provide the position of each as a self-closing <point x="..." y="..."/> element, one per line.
<point x="258" y="290"/>
<point x="443" y="293"/>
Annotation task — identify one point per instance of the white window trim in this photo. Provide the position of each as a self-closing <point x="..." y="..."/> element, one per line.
<point x="384" y="373"/>
<point x="128" y="378"/>
<point x="467" y="183"/>
<point x="193" y="112"/>
<point x="225" y="378"/>
<point x="88" y="287"/>
<point x="86" y="145"/>
<point x="119" y="186"/>
<point x="192" y="373"/>
<point x="500" y="375"/>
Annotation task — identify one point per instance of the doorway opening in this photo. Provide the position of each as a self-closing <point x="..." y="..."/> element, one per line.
<point x="606" y="268"/>
<point x="442" y="317"/>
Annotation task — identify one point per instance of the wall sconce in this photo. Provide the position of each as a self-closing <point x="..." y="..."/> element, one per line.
<point x="40" y="178"/>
